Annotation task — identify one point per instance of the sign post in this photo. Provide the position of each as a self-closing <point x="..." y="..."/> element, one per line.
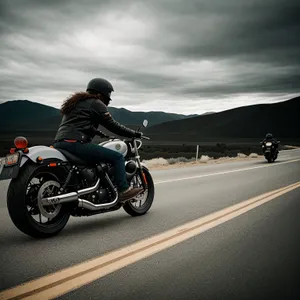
<point x="197" y="152"/>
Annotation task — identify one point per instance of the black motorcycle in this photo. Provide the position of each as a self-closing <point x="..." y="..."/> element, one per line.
<point x="270" y="150"/>
<point x="49" y="185"/>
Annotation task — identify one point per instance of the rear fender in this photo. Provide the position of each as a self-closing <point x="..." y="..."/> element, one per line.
<point x="44" y="152"/>
<point x="47" y="153"/>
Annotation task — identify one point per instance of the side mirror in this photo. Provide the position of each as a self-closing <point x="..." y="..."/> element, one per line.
<point x="145" y="123"/>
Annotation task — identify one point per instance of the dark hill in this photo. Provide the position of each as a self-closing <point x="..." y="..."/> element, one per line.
<point x="32" y="116"/>
<point x="23" y="111"/>
<point x="282" y="119"/>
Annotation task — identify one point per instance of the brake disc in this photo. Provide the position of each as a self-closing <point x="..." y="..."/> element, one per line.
<point x="48" y="189"/>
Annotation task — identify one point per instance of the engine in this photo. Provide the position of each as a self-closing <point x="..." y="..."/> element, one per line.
<point x="89" y="178"/>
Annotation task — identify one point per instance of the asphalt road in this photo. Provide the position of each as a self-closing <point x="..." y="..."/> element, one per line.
<point x="252" y="256"/>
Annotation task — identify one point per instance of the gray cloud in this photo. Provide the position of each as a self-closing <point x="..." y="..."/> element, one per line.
<point x="243" y="29"/>
<point x="158" y="54"/>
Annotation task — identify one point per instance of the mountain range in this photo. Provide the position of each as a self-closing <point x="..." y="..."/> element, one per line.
<point x="282" y="119"/>
<point x="253" y="121"/>
<point x="33" y="116"/>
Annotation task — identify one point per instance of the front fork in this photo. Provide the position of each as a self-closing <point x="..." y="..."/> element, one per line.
<point x="140" y="167"/>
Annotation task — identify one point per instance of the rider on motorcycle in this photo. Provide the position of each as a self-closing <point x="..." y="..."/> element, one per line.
<point x="82" y="113"/>
<point x="269" y="138"/>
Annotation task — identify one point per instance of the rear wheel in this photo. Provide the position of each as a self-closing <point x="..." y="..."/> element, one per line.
<point x="24" y="202"/>
<point x="143" y="202"/>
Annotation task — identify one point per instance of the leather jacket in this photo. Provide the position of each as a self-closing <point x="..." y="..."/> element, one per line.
<point x="83" y="120"/>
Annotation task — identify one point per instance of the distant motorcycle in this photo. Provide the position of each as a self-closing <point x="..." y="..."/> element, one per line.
<point x="49" y="185"/>
<point x="269" y="150"/>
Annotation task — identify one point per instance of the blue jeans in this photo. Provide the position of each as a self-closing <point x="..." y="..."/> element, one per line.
<point x="94" y="154"/>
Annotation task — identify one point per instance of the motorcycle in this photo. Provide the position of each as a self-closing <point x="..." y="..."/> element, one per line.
<point x="269" y="150"/>
<point x="49" y="185"/>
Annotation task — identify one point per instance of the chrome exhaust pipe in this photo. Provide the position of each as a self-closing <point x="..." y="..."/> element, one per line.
<point x="69" y="197"/>
<point x="91" y="206"/>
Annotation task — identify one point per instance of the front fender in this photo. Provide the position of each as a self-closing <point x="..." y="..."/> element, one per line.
<point x="43" y="151"/>
<point x="145" y="166"/>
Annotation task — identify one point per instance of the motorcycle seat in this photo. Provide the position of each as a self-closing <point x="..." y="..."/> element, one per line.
<point x="73" y="158"/>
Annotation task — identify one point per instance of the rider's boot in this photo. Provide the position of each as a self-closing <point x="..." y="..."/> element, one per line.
<point x="130" y="193"/>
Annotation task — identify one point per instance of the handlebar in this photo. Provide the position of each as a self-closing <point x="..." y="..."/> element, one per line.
<point x="101" y="134"/>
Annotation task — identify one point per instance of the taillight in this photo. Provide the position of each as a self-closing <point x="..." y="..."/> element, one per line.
<point x="21" y="142"/>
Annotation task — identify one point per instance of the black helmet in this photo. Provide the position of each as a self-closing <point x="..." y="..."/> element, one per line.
<point x="269" y="136"/>
<point x="100" y="85"/>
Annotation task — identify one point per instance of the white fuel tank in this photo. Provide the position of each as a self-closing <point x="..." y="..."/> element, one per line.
<point x="116" y="145"/>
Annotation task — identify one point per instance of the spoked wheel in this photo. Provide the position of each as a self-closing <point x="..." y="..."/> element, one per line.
<point x="25" y="207"/>
<point x="39" y="187"/>
<point x="143" y="202"/>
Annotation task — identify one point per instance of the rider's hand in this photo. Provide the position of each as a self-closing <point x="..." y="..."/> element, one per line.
<point x="138" y="134"/>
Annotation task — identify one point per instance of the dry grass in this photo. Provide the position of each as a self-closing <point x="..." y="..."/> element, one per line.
<point x="163" y="164"/>
<point x="291" y="147"/>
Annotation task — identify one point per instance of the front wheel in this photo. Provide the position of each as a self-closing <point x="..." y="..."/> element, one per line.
<point x="269" y="158"/>
<point x="24" y="206"/>
<point x="143" y="202"/>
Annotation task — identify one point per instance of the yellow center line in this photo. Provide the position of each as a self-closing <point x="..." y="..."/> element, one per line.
<point x="66" y="280"/>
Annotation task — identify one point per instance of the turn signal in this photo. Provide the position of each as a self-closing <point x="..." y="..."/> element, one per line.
<point x="39" y="159"/>
<point x="20" y="142"/>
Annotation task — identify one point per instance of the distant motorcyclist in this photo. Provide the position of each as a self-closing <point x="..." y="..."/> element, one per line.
<point x="269" y="138"/>
<point x="82" y="113"/>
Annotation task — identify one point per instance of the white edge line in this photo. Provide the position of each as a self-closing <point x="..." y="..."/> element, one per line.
<point x="226" y="172"/>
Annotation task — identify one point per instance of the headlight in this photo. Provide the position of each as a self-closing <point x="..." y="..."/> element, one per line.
<point x="268" y="144"/>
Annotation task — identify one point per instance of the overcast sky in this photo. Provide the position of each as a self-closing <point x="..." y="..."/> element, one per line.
<point x="188" y="56"/>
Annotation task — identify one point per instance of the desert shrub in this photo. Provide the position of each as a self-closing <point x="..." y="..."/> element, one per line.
<point x="204" y="158"/>
<point x="156" y="161"/>
<point x="222" y="147"/>
<point x="172" y="161"/>
<point x="181" y="159"/>
<point x="212" y="154"/>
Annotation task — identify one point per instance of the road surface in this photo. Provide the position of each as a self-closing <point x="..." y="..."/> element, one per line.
<point x="250" y="254"/>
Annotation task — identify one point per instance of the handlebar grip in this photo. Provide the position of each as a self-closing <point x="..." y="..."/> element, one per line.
<point x="145" y="137"/>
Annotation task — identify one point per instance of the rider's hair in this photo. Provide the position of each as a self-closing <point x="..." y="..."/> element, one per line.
<point x="69" y="103"/>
